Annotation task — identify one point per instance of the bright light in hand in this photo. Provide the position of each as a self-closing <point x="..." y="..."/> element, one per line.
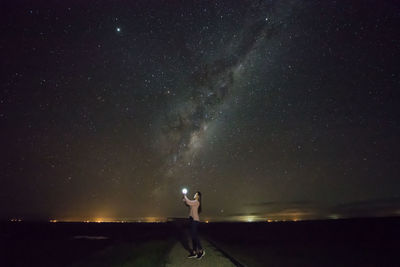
<point x="184" y="191"/>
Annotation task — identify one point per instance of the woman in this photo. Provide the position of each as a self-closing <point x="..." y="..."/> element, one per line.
<point x="195" y="209"/>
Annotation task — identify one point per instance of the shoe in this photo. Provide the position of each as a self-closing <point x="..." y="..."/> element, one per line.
<point x="192" y="255"/>
<point x="201" y="254"/>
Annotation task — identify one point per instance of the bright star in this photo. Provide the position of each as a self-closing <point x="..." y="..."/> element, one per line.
<point x="118" y="29"/>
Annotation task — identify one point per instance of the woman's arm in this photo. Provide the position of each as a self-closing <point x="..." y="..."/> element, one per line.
<point x="190" y="202"/>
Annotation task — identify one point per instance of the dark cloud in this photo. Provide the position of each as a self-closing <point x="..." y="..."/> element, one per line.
<point x="365" y="208"/>
<point x="276" y="203"/>
<point x="369" y="207"/>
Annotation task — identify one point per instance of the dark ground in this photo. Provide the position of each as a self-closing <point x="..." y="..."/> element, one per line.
<point x="53" y="244"/>
<point x="355" y="242"/>
<point x="350" y="242"/>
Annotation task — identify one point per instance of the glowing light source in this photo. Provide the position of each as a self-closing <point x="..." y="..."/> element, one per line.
<point x="184" y="191"/>
<point x="152" y="220"/>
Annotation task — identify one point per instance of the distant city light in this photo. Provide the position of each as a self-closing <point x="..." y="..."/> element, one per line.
<point x="251" y="218"/>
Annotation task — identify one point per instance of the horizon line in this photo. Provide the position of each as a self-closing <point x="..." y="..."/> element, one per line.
<point x="209" y="220"/>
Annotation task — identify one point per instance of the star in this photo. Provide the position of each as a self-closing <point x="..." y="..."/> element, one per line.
<point x="118" y="29"/>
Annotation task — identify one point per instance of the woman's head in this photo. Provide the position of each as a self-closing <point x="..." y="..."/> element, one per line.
<point x="198" y="197"/>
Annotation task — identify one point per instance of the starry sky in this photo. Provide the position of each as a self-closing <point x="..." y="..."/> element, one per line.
<point x="272" y="109"/>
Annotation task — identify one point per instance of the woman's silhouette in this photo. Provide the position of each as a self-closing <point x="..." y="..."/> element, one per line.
<point x="195" y="209"/>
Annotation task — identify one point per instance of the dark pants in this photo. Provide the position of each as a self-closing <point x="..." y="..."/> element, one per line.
<point x="195" y="237"/>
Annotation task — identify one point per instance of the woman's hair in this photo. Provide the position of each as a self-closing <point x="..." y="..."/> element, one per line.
<point x="198" y="193"/>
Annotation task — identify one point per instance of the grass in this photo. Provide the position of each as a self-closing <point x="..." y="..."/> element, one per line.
<point x="150" y="253"/>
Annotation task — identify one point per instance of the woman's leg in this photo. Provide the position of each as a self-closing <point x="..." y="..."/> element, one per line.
<point x="199" y="247"/>
<point x="193" y="233"/>
<point x="195" y="237"/>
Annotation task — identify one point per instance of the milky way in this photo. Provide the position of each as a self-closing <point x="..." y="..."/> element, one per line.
<point x="213" y="85"/>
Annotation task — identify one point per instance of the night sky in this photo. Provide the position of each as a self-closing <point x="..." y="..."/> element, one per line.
<point x="273" y="109"/>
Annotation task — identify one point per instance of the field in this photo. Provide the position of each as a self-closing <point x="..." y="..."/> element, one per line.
<point x="352" y="242"/>
<point x="77" y="244"/>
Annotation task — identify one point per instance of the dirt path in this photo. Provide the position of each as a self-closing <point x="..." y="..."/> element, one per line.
<point x="178" y="257"/>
